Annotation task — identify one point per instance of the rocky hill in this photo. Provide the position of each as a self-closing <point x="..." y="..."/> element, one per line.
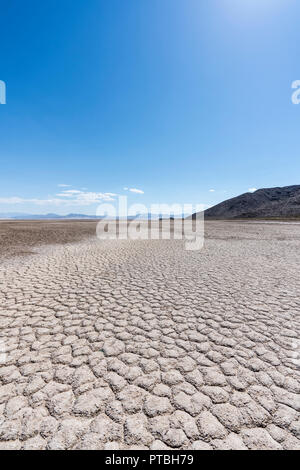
<point x="263" y="203"/>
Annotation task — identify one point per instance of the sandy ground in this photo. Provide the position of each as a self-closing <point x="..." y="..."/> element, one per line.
<point x="141" y="344"/>
<point x="18" y="238"/>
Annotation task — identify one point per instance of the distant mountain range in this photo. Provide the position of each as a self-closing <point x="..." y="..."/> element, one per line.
<point x="21" y="216"/>
<point x="263" y="203"/>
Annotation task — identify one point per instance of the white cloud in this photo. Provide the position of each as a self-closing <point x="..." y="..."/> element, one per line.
<point x="252" y="190"/>
<point x="212" y="190"/>
<point x="134" y="190"/>
<point x="70" y="197"/>
<point x="64" y="185"/>
<point x="11" y="200"/>
<point x="137" y="191"/>
<point x="69" y="193"/>
<point x="77" y="197"/>
<point x="21" y="200"/>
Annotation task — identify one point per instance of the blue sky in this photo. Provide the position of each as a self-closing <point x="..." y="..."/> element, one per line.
<point x="172" y="98"/>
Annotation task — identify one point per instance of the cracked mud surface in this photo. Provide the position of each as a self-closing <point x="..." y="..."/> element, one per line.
<point x="20" y="237"/>
<point x="143" y="345"/>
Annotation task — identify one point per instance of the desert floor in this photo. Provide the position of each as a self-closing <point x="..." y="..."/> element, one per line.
<point x="142" y="344"/>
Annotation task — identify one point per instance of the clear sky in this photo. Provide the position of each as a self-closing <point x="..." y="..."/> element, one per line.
<point x="174" y="98"/>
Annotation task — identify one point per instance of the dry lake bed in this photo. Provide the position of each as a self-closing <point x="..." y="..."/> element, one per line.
<point x="144" y="345"/>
